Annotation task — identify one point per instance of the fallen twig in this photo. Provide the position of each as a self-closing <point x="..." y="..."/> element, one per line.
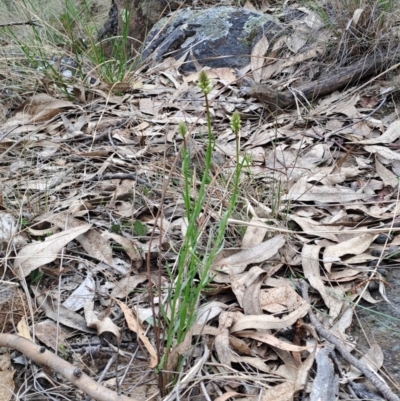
<point x="33" y="23"/>
<point x="368" y="373"/>
<point x="43" y="357"/>
<point x="325" y="85"/>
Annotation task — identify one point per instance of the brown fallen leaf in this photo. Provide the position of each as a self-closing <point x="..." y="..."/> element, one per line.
<point x="135" y="326"/>
<point x="92" y="241"/>
<point x="262" y="322"/>
<point x="311" y="270"/>
<point x="37" y="254"/>
<point x="103" y="324"/>
<point x="238" y="262"/>
<point x="271" y="340"/>
<point x="42" y="107"/>
<point x="61" y="314"/>
<point x="280" y="392"/>
<point x="353" y="246"/>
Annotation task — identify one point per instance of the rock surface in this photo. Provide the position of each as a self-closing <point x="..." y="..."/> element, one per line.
<point x="217" y="37"/>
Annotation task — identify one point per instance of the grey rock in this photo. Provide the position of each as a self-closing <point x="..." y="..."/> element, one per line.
<point x="217" y="37"/>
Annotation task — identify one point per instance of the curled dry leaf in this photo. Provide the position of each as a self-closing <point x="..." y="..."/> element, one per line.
<point x="102" y="324"/>
<point x="253" y="361"/>
<point x="306" y="192"/>
<point x="254" y="235"/>
<point x="251" y="298"/>
<point x="240" y="284"/>
<point x="390" y="135"/>
<point x="209" y="311"/>
<point x="42" y="107"/>
<point x="312" y="227"/>
<point x="383" y="151"/>
<point x="388" y="178"/>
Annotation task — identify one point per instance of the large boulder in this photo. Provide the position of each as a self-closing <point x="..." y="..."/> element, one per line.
<point x="217" y="37"/>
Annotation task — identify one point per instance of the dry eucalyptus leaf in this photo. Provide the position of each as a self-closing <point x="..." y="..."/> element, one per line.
<point x="272" y="340"/>
<point x="311" y="270"/>
<point x="84" y="292"/>
<point x="373" y="358"/>
<point x="61" y="314"/>
<point x="280" y="299"/>
<point x="135" y="325"/>
<point x="281" y="392"/>
<point x="92" y="241"/>
<point x="38" y="254"/>
<point x="42" y="107"/>
<point x="389" y="136"/>
<point x="103" y="324"/>
<point x="129" y="247"/>
<point x="354" y="246"/>
<point x="127" y="284"/>
<point x="263" y="322"/>
<point x="237" y="263"/>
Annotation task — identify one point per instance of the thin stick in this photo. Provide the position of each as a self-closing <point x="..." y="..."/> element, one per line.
<point x="33" y="23"/>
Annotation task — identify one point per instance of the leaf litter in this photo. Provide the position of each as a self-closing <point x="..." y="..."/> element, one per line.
<point x="318" y="201"/>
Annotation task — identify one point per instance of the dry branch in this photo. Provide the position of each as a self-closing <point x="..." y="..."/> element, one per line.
<point x="43" y="357"/>
<point x="348" y="75"/>
<point x="30" y="22"/>
<point x="368" y="373"/>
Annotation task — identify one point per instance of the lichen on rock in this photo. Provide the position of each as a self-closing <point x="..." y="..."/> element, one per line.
<point x="217" y="37"/>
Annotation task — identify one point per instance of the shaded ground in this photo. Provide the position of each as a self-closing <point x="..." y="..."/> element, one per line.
<point x="381" y="323"/>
